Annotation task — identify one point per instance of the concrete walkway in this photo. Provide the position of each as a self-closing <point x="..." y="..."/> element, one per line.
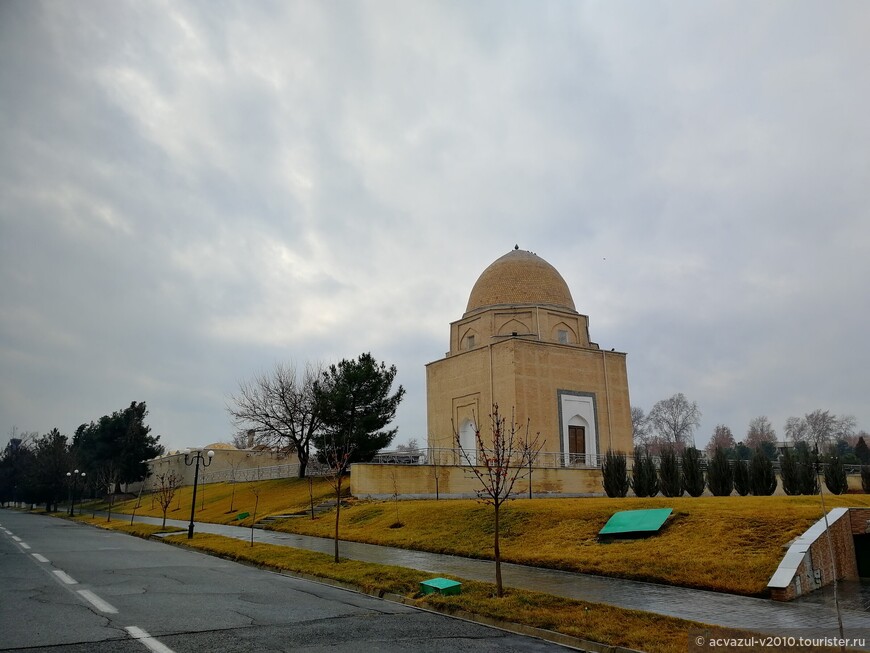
<point x="728" y="610"/>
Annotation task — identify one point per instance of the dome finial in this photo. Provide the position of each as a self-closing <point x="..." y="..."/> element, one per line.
<point x="516" y="246"/>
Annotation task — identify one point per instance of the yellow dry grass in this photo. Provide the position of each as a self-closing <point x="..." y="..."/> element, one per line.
<point x="138" y="529"/>
<point x="214" y="500"/>
<point x="729" y="544"/>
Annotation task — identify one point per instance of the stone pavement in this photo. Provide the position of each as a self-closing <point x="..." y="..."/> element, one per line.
<point x="726" y="610"/>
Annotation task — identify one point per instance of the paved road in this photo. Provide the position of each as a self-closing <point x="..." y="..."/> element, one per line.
<point x="85" y="589"/>
<point x="707" y="607"/>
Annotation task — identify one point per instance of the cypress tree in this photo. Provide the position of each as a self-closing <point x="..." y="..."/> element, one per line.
<point x="862" y="451"/>
<point x="865" y="478"/>
<point x="808" y="481"/>
<point x="790" y="473"/>
<point x="693" y="475"/>
<point x="741" y="477"/>
<point x="670" y="479"/>
<point x="644" y="481"/>
<point x="762" y="479"/>
<point x="615" y="474"/>
<point x="835" y="474"/>
<point x="720" y="477"/>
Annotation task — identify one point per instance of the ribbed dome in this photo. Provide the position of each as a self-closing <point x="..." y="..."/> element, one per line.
<point x="520" y="277"/>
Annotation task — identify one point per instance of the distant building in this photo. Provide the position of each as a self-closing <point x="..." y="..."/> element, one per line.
<point x="522" y="344"/>
<point x="229" y="464"/>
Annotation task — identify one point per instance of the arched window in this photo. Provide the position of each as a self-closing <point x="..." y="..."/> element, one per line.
<point x="468" y="443"/>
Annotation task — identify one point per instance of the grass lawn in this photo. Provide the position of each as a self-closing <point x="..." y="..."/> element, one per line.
<point x="729" y="544"/>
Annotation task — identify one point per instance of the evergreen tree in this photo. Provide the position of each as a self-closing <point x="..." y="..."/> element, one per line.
<point x="670" y="479"/>
<point x="808" y="480"/>
<point x="862" y="451"/>
<point x="720" y="477"/>
<point x="790" y="473"/>
<point x="644" y="480"/>
<point x="615" y="474"/>
<point x="355" y="403"/>
<point x="693" y="475"/>
<point x="762" y="479"/>
<point x="835" y="474"/>
<point x="865" y="478"/>
<point x="741" y="477"/>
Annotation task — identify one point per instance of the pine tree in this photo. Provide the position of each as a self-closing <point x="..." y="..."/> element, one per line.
<point x="720" y="477"/>
<point x="862" y="451"/>
<point x="865" y="478"/>
<point x="808" y="480"/>
<point x="644" y="480"/>
<point x="693" y="475"/>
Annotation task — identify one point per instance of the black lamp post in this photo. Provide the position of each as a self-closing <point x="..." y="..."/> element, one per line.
<point x="197" y="457"/>
<point x="74" y="476"/>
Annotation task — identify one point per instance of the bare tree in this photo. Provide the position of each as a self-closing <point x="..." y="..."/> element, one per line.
<point x="280" y="407"/>
<point x="497" y="464"/>
<point x="167" y="484"/>
<point x="675" y="420"/>
<point x="761" y="434"/>
<point x="640" y="426"/>
<point x="336" y="451"/>
<point x="820" y="428"/>
<point x="722" y="438"/>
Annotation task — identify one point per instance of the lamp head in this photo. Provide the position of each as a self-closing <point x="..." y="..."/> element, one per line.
<point x="211" y="454"/>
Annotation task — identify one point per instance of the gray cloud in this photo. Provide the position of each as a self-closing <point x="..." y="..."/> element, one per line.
<point x="191" y="191"/>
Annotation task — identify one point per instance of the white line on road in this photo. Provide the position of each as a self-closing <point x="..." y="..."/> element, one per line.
<point x="147" y="640"/>
<point x="16" y="538"/>
<point x="39" y="557"/>
<point x="65" y="577"/>
<point x="97" y="602"/>
<point x="24" y="545"/>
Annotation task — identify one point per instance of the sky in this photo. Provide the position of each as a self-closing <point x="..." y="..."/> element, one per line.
<point x="191" y="192"/>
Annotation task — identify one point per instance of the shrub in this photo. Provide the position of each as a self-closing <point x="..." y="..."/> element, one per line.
<point x="644" y="481"/>
<point x="741" y="477"/>
<point x="670" y="479"/>
<point x="835" y="474"/>
<point x="720" y="477"/>
<point x="762" y="479"/>
<point x="615" y="473"/>
<point x="693" y="475"/>
<point x="865" y="478"/>
<point x="788" y="470"/>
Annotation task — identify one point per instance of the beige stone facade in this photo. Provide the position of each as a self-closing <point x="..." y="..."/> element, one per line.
<point x="522" y="344"/>
<point x="228" y="464"/>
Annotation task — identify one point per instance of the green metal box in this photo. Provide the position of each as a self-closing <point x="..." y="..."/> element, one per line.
<point x="440" y="586"/>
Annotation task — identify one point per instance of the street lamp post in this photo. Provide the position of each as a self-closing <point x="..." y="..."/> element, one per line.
<point x="188" y="460"/>
<point x="74" y="476"/>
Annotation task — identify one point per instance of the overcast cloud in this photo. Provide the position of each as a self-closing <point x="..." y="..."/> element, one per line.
<point x="192" y="191"/>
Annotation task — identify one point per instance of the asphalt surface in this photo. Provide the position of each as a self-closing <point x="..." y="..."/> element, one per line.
<point x="66" y="586"/>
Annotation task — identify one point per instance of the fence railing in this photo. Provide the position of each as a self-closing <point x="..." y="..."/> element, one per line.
<point x="290" y="470"/>
<point x="455" y="456"/>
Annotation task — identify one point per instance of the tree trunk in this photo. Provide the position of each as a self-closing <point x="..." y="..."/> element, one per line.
<point x="497" y="554"/>
<point x="337" y="512"/>
<point x="303" y="466"/>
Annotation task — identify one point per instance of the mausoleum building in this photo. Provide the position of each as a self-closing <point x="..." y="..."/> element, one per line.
<point x="522" y="344"/>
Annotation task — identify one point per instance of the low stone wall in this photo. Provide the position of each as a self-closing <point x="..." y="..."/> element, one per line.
<point x="419" y="481"/>
<point x="807" y="564"/>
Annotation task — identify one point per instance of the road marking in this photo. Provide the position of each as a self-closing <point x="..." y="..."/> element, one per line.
<point x="97" y="602"/>
<point x="39" y="557"/>
<point x="147" y="640"/>
<point x="66" y="578"/>
<point x="24" y="545"/>
<point x="16" y="538"/>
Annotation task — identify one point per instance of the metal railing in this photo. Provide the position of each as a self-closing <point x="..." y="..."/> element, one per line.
<point x="290" y="470"/>
<point x="455" y="456"/>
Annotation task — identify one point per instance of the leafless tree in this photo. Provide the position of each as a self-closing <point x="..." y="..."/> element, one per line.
<point x="167" y="484"/>
<point x="675" y="420"/>
<point x="760" y="431"/>
<point x="498" y="463"/>
<point x="722" y="438"/>
<point x="640" y="426"/>
<point x="336" y="454"/>
<point x="820" y="428"/>
<point x="280" y="407"/>
<point x="412" y="446"/>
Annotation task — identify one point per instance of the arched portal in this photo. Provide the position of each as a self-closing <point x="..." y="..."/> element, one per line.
<point x="468" y="442"/>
